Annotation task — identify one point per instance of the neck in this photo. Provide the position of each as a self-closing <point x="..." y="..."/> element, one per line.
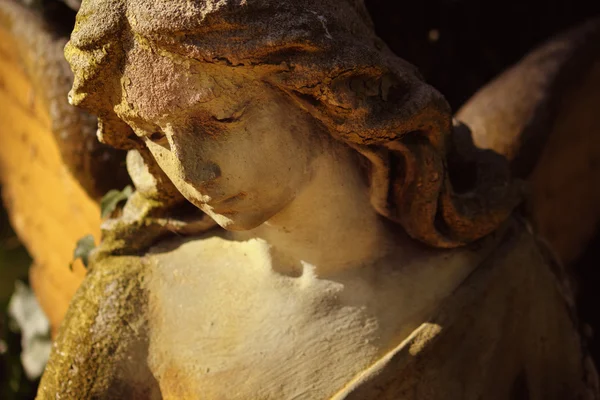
<point x="331" y="224"/>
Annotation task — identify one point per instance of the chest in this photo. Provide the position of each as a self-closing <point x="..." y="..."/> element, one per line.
<point x="224" y="324"/>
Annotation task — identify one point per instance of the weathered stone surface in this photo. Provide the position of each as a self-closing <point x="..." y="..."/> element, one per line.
<point x="355" y="219"/>
<point x="351" y="83"/>
<point x="48" y="156"/>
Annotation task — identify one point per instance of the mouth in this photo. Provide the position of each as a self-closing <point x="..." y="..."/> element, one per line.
<point x="231" y="199"/>
<point x="220" y="218"/>
<point x="225" y="205"/>
<point x="219" y="206"/>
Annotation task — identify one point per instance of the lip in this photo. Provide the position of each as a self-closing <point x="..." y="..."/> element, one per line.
<point x="229" y="206"/>
<point x="235" y="197"/>
<point x="231" y="199"/>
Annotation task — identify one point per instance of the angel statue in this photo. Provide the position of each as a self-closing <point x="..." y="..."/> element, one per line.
<point x="309" y="221"/>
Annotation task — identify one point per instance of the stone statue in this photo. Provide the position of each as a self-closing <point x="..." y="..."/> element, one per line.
<point x="352" y="241"/>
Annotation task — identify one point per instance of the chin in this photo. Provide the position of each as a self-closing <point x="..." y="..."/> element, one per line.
<point x="245" y="223"/>
<point x="237" y="221"/>
<point x="241" y="216"/>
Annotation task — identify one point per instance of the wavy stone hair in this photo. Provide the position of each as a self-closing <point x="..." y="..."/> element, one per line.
<point x="325" y="55"/>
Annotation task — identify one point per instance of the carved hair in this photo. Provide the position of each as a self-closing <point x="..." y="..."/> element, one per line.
<point x="325" y="55"/>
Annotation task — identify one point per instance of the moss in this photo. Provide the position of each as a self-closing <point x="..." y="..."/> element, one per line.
<point x="103" y="339"/>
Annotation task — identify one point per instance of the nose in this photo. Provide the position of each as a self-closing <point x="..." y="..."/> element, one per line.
<point x="195" y="169"/>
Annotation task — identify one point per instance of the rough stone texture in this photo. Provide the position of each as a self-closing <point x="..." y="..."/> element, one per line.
<point x="367" y="249"/>
<point x="328" y="59"/>
<point x="103" y="355"/>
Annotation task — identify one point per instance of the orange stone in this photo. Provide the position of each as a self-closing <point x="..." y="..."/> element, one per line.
<point x="48" y="208"/>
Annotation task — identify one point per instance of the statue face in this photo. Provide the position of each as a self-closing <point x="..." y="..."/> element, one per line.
<point x="234" y="146"/>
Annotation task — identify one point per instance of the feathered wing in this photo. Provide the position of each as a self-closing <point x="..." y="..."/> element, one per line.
<point x="48" y="206"/>
<point x="542" y="115"/>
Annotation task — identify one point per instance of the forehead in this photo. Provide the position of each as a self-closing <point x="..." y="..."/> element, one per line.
<point x="156" y="84"/>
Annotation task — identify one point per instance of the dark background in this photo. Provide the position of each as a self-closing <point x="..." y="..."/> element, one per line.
<point x="477" y="39"/>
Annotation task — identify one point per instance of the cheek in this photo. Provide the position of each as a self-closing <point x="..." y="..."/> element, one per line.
<point x="269" y="168"/>
<point x="285" y="160"/>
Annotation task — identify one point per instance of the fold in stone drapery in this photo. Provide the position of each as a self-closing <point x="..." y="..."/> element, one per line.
<point x="508" y="332"/>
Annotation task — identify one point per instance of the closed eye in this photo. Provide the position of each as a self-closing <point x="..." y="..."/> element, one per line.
<point x="160" y="139"/>
<point x="234" y="117"/>
<point x="226" y="120"/>
<point x="156" y="136"/>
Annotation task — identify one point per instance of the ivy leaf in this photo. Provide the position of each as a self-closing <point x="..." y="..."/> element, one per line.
<point x="82" y="250"/>
<point x="112" y="198"/>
